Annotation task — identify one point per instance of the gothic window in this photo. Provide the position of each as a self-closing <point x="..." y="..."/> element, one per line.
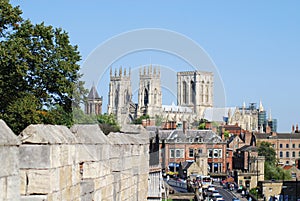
<point x="184" y="94"/>
<point x="155" y="96"/>
<point x="116" y="98"/>
<point x="207" y="94"/>
<point x="193" y="92"/>
<point x="280" y="154"/>
<point x="125" y="96"/>
<point x="287" y="154"/>
<point x="146" y="97"/>
<point x="294" y="154"/>
<point x="202" y="93"/>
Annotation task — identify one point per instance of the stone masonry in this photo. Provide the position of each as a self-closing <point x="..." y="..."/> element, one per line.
<point x="9" y="171"/>
<point x="77" y="164"/>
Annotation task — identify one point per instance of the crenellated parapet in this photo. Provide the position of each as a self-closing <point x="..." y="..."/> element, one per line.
<point x="120" y="73"/>
<point x="149" y="71"/>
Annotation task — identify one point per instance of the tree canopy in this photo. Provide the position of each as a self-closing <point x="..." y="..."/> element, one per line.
<point x="39" y="72"/>
<point x="272" y="171"/>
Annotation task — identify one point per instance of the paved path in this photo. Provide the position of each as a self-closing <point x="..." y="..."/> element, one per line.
<point x="228" y="195"/>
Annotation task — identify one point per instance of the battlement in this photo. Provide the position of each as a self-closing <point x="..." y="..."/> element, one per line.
<point x="149" y="71"/>
<point x="120" y="74"/>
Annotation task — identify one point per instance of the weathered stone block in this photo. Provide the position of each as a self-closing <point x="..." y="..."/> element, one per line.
<point x="23" y="184"/>
<point x="34" y="156"/>
<point x="3" y="187"/>
<point x="39" y="181"/>
<point x="34" y="198"/>
<point x="55" y="179"/>
<point x="9" y="160"/>
<point x="7" y="137"/>
<point x="47" y="134"/>
<point x="86" y="187"/>
<point x="91" y="170"/>
<point x="87" y="153"/>
<point x="75" y="192"/>
<point x="13" y="186"/>
<point x="76" y="177"/>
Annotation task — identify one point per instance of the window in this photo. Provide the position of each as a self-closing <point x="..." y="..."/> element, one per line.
<point x="299" y="154"/>
<point x="287" y="154"/>
<point x="210" y="153"/>
<point x="294" y="146"/>
<point x="179" y="153"/>
<point x="281" y="154"/>
<point x="294" y="154"/>
<point x="280" y="145"/>
<point x="274" y="146"/>
<point x="200" y="151"/>
<point x="191" y="153"/>
<point x="287" y="146"/>
<point x="172" y="153"/>
<point x="215" y="153"/>
<point x="299" y="146"/>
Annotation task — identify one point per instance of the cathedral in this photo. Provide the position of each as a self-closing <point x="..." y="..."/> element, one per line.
<point x="194" y="95"/>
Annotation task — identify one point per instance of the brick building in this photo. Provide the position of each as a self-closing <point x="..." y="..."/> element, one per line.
<point x="178" y="146"/>
<point x="286" y="145"/>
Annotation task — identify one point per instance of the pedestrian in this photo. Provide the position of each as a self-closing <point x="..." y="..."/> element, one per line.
<point x="243" y="193"/>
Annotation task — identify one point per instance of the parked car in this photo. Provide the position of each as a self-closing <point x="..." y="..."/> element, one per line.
<point x="215" y="193"/>
<point x="218" y="197"/>
<point x="235" y="199"/>
<point x="211" y="188"/>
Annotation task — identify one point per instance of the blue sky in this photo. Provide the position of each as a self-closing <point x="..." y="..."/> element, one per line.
<point x="255" y="45"/>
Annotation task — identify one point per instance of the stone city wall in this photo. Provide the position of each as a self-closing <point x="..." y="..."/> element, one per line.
<point x="81" y="163"/>
<point x="9" y="171"/>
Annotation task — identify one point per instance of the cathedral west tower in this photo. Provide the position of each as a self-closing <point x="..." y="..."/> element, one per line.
<point x="120" y="95"/>
<point x="150" y="96"/>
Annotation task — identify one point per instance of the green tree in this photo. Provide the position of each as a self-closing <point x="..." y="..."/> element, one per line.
<point x="37" y="61"/>
<point x="140" y="119"/>
<point x="272" y="171"/>
<point x="265" y="149"/>
<point x="108" y="123"/>
<point x="226" y="134"/>
<point x="202" y="124"/>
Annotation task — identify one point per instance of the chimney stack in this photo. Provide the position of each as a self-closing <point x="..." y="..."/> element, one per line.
<point x="293" y="129"/>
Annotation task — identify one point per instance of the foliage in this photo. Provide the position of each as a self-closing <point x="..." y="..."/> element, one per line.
<point x="158" y="120"/>
<point x="140" y="119"/>
<point x="276" y="173"/>
<point x="108" y="123"/>
<point x="272" y="171"/>
<point x="80" y="117"/>
<point x="10" y="17"/>
<point x="226" y="134"/>
<point x="21" y="111"/>
<point x="255" y="192"/>
<point x="265" y="149"/>
<point x="201" y="125"/>
<point x="39" y="65"/>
